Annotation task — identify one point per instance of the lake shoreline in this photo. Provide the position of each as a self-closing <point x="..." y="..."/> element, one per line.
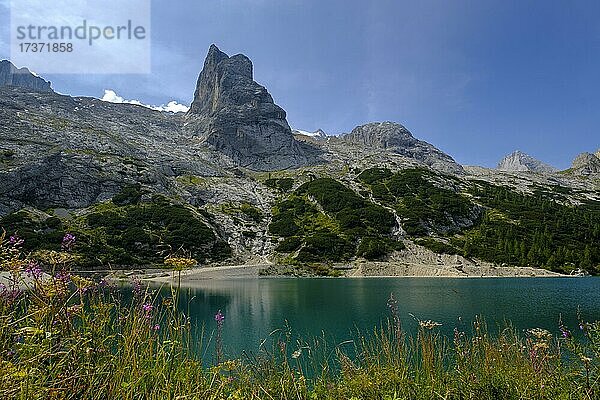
<point x="390" y="271"/>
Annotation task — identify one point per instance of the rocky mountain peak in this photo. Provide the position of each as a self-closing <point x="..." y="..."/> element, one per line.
<point x="236" y="116"/>
<point x="586" y="164"/>
<point x="381" y="134"/>
<point x="396" y="138"/>
<point x="21" y="77"/>
<point x="517" y="161"/>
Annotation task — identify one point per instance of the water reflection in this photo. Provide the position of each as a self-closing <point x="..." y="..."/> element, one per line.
<point x="254" y="308"/>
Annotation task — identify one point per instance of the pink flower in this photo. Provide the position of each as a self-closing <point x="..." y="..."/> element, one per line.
<point x="147" y="307"/>
<point x="68" y="242"/>
<point x="219" y="317"/>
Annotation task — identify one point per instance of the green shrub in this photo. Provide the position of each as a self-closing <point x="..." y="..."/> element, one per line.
<point x="146" y="229"/>
<point x="325" y="246"/>
<point x="289" y="244"/>
<point x="331" y="194"/>
<point x="437" y="247"/>
<point x="129" y="194"/>
<point x="372" y="175"/>
<point x="421" y="204"/>
<point x="374" y="248"/>
<point x="283" y="184"/>
<point x="251" y="212"/>
<point x="39" y="234"/>
<point x="283" y="225"/>
<point x="347" y="218"/>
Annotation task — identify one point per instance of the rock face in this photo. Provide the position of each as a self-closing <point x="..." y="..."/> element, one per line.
<point x="396" y="138"/>
<point x="60" y="151"/>
<point x="237" y="117"/>
<point x="521" y="162"/>
<point x="586" y="164"/>
<point x="13" y="76"/>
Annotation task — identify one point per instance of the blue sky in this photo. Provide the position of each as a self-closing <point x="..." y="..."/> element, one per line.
<point x="478" y="79"/>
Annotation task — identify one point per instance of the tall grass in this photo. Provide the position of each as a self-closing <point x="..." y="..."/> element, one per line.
<point x="66" y="337"/>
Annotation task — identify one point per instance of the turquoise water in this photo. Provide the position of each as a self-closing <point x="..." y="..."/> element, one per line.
<point x="338" y="307"/>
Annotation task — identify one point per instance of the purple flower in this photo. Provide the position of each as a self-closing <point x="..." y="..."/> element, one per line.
<point x="219" y="317"/>
<point x="147" y="309"/>
<point x="9" y="295"/>
<point x="156" y="327"/>
<point x="63" y="276"/>
<point x="15" y="240"/>
<point x="33" y="270"/>
<point x="138" y="290"/>
<point x="68" y="242"/>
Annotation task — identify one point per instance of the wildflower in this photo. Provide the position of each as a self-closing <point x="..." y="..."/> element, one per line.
<point x="180" y="263"/>
<point x="15" y="240"/>
<point x="429" y="324"/>
<point x="565" y="333"/>
<point x="540" y="334"/>
<point x="83" y="285"/>
<point x="541" y="346"/>
<point x="9" y="295"/>
<point x="156" y="327"/>
<point x="63" y="276"/>
<point x="219" y="317"/>
<point x="147" y="307"/>
<point x="137" y="287"/>
<point x="33" y="270"/>
<point x="68" y="242"/>
<point x="458" y="335"/>
<point x="297" y="353"/>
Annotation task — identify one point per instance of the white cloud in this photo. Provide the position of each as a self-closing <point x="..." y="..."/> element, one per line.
<point x="173" y="106"/>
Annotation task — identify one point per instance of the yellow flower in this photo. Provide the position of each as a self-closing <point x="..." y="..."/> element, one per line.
<point x="180" y="263"/>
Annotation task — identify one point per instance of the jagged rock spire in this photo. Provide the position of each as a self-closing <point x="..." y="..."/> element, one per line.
<point x="237" y="117"/>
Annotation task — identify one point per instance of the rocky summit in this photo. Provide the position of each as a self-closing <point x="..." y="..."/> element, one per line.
<point x="397" y="139"/>
<point x="238" y="117"/>
<point x="518" y="161"/>
<point x="21" y="77"/>
<point x="586" y="164"/>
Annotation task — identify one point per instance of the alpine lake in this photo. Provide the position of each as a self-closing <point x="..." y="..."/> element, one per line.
<point x="338" y="310"/>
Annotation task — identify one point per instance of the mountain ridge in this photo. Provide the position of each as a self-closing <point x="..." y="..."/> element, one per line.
<point x="137" y="179"/>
